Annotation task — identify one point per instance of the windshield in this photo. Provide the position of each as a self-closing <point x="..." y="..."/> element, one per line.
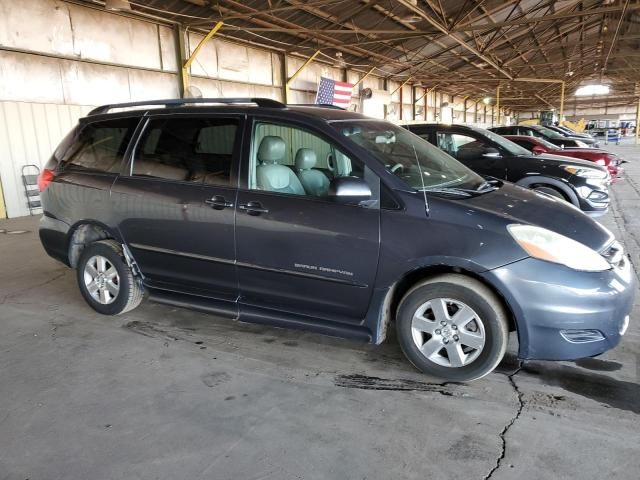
<point x="546" y="144"/>
<point x="421" y="165"/>
<point x="504" y="143"/>
<point x="549" y="133"/>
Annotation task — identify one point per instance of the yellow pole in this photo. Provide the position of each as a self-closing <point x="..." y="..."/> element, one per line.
<point x="192" y="57"/>
<point x="425" y="93"/>
<point x="561" y="104"/>
<point x="638" y="122"/>
<point x="498" y="103"/>
<point x="365" y="76"/>
<point x="293" y="77"/>
<point x="402" y="85"/>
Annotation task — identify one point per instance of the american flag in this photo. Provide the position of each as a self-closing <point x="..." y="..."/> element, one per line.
<point x="331" y="92"/>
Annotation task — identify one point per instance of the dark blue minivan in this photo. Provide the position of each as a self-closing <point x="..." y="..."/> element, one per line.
<point x="323" y="219"/>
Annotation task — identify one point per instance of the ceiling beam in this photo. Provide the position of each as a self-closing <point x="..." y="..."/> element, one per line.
<point x="545" y="18"/>
<point x="418" y="11"/>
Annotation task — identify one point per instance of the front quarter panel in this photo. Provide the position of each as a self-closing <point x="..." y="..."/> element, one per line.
<point x="450" y="235"/>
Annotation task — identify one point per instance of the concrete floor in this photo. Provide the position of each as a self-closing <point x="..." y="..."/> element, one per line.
<point x="163" y="393"/>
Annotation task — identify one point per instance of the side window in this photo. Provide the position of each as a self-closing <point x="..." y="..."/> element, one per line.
<point x="100" y="146"/>
<point x="290" y="160"/>
<point x="462" y="147"/>
<point x="198" y="150"/>
<point x="525" y="144"/>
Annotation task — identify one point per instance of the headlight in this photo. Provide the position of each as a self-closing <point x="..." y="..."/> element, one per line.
<point x="546" y="245"/>
<point x="585" y="172"/>
<point x="581" y="144"/>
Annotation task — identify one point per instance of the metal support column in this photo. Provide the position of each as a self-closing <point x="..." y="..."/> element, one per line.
<point x="178" y="36"/>
<point x="638" y="122"/>
<point x="498" y="103"/>
<point x="561" y="114"/>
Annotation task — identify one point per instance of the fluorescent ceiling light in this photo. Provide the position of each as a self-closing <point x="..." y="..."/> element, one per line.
<point x="592" y="90"/>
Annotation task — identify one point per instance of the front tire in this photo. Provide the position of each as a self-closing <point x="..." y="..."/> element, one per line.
<point x="106" y="281"/>
<point x="453" y="327"/>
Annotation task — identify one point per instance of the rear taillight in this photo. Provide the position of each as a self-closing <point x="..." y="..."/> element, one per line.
<point x="45" y="178"/>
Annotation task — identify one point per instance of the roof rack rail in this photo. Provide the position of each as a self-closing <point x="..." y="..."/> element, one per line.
<point x="176" y="102"/>
<point x="319" y="105"/>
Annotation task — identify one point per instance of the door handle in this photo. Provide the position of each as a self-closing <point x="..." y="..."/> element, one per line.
<point x="218" y="202"/>
<point x="253" y="208"/>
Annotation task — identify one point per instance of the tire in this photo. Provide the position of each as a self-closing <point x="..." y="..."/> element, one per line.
<point x="482" y="323"/>
<point x="117" y="290"/>
<point x="550" y="191"/>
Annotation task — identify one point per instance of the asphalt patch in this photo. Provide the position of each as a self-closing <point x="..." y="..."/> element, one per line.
<point x="364" y="382"/>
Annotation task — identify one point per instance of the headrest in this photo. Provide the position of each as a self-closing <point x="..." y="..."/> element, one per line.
<point x="305" y="159"/>
<point x="271" y="149"/>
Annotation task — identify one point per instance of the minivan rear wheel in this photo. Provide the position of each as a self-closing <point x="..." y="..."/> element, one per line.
<point x="106" y="281"/>
<point x="453" y="327"/>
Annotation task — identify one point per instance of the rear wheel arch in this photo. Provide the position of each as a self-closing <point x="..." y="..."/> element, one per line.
<point x="83" y="233"/>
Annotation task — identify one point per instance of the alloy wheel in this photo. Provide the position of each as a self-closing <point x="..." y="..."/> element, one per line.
<point x="101" y="279"/>
<point x="448" y="332"/>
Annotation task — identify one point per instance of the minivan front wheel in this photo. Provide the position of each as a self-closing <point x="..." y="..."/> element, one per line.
<point x="105" y="280"/>
<point x="453" y="327"/>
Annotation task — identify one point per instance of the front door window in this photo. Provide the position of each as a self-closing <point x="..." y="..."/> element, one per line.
<point x="293" y="161"/>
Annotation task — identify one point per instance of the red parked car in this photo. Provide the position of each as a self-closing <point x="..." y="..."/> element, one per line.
<point x="601" y="157"/>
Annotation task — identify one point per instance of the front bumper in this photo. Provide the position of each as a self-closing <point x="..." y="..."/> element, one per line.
<point x="563" y="314"/>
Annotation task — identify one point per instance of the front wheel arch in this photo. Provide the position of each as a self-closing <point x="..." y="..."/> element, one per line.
<point x="539" y="180"/>
<point x="389" y="305"/>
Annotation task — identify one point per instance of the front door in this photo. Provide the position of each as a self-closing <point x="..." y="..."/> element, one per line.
<point x="175" y="205"/>
<point x="299" y="251"/>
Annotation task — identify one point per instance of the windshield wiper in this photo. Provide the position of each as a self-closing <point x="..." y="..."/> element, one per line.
<point x="485" y="187"/>
<point x="449" y="191"/>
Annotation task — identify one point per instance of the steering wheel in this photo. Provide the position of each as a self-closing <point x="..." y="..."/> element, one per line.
<point x="398" y="167"/>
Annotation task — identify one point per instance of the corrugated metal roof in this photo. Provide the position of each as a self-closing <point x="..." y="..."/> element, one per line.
<point x="462" y="45"/>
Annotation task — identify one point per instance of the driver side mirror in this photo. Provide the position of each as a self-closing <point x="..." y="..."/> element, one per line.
<point x="491" y="153"/>
<point x="349" y="190"/>
<point x="537" y="149"/>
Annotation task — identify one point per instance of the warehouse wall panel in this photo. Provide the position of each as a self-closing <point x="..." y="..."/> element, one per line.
<point x="29" y="132"/>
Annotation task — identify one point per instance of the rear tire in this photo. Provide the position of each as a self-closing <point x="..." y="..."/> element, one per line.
<point x="106" y="281"/>
<point x="453" y="327"/>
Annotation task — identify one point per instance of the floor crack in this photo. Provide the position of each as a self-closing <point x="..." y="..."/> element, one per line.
<point x="506" y="428"/>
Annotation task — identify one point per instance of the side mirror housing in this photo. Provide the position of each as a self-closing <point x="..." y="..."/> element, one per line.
<point x="537" y="149"/>
<point x="351" y="190"/>
<point x="491" y="153"/>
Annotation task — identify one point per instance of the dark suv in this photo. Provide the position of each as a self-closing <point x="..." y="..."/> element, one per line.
<point x="324" y="219"/>
<point x="579" y="182"/>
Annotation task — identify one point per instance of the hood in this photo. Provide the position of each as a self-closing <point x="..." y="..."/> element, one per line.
<point x="514" y="204"/>
<point x="588" y="141"/>
<point x="557" y="160"/>
<point x="588" y="151"/>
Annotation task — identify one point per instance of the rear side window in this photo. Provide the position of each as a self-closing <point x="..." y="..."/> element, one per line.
<point x="198" y="150"/>
<point x="100" y="146"/>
